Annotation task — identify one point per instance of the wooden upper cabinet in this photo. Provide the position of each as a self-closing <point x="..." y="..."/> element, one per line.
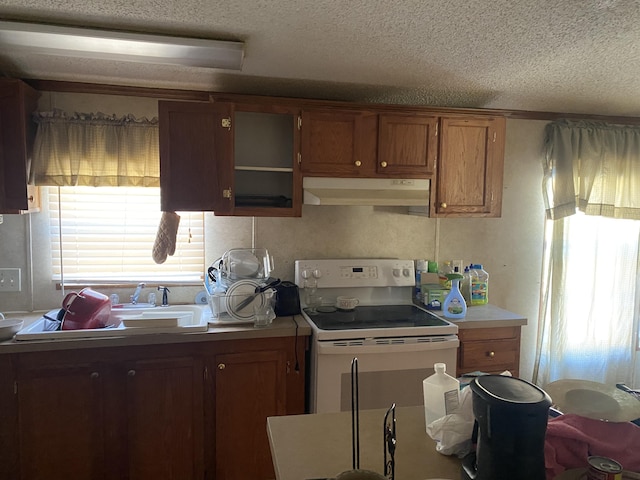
<point x="470" y="167"/>
<point x="361" y="143"/>
<point x="196" y="156"/>
<point x="17" y="132"/>
<point x="338" y="143"/>
<point x="407" y="144"/>
<point x="266" y="178"/>
<point x="232" y="159"/>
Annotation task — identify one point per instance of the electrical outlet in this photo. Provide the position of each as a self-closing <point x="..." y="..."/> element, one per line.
<point x="10" y="280"/>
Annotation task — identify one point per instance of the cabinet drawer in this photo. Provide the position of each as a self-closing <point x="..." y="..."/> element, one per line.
<point x="489" y="356"/>
<point x="500" y="333"/>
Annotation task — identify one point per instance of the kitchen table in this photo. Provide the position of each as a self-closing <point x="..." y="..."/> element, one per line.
<point x="319" y="445"/>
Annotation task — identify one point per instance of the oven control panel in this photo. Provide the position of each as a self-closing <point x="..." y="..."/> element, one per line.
<point x="358" y="272"/>
<point x="370" y="271"/>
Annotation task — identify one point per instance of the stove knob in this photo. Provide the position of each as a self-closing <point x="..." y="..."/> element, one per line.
<point x="396" y="272"/>
<point x="317" y="274"/>
<point x="305" y="274"/>
<point x="406" y="272"/>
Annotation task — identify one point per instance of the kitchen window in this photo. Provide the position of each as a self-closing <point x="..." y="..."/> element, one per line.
<point x="590" y="306"/>
<point x="103" y="235"/>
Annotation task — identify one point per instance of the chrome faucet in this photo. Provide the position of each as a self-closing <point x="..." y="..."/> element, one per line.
<point x="136" y="294"/>
<point x="165" y="296"/>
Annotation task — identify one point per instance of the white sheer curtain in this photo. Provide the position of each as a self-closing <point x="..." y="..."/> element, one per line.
<point x="588" y="325"/>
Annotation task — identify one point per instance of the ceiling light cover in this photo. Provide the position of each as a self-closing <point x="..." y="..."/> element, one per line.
<point x="124" y="46"/>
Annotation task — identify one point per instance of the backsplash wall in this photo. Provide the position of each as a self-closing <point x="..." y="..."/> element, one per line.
<point x="510" y="247"/>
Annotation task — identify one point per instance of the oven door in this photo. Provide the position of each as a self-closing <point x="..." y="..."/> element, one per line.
<point x="390" y="370"/>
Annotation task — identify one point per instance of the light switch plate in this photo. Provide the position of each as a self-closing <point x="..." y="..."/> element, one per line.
<point x="10" y="280"/>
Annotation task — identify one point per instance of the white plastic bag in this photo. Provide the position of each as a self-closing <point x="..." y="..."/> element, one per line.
<point x="452" y="432"/>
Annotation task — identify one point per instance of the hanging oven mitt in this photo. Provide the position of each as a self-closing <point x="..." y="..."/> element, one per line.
<point x="165" y="243"/>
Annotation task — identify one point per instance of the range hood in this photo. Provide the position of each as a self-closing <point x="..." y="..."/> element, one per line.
<point x="366" y="191"/>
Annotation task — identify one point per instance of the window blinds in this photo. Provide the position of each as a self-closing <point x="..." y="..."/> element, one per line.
<point x="106" y="234"/>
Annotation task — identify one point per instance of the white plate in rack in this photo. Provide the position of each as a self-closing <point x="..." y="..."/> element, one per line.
<point x="237" y="293"/>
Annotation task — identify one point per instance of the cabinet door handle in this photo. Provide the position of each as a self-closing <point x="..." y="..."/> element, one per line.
<point x="358" y="163"/>
<point x="492" y="354"/>
<point x="383" y="164"/>
<point x="94" y="375"/>
<point x="226" y="123"/>
<point x="221" y="366"/>
<point x="131" y="373"/>
<point x="443" y="205"/>
<point x="226" y="193"/>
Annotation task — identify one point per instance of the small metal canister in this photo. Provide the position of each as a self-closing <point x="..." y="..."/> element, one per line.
<point x="603" y="468"/>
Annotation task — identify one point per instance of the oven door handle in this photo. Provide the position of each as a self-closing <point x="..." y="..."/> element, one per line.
<point x="359" y="346"/>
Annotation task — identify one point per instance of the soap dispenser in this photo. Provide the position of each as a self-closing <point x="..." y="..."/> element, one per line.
<point x="454" y="305"/>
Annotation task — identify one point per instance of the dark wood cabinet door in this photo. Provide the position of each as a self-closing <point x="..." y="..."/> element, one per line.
<point x="249" y="387"/>
<point x="339" y="143"/>
<point x="196" y="156"/>
<point x="17" y="131"/>
<point x="407" y="144"/>
<point x="470" y="167"/>
<point x="165" y="420"/>
<point x="60" y="422"/>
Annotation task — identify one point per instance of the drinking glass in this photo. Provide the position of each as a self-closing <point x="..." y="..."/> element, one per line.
<point x="313" y="302"/>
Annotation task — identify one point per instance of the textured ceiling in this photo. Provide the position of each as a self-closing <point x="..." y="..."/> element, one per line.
<point x="571" y="56"/>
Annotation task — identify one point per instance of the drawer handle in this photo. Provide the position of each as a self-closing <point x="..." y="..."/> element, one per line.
<point x="492" y="354"/>
<point x="221" y="366"/>
<point x="358" y="163"/>
<point x="383" y="164"/>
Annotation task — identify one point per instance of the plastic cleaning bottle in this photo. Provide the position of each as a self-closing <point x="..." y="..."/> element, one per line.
<point x="465" y="286"/>
<point x="441" y="394"/>
<point x="454" y="305"/>
<point x="479" y="285"/>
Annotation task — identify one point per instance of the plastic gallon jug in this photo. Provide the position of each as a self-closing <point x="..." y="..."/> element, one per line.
<point x="479" y="285"/>
<point x="441" y="394"/>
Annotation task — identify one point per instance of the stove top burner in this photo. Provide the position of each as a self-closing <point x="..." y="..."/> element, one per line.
<point x="367" y="317"/>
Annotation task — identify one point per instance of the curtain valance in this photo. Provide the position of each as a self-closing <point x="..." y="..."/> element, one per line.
<point x="593" y="167"/>
<point x="94" y="149"/>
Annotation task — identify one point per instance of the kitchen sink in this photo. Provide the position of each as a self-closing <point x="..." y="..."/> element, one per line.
<point x="129" y="321"/>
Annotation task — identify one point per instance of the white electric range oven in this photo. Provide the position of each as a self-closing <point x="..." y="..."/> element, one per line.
<point x="396" y="342"/>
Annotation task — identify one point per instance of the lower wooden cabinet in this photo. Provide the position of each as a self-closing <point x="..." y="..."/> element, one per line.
<point x="60" y="420"/>
<point x="252" y="383"/>
<point x="489" y="350"/>
<point x="185" y="411"/>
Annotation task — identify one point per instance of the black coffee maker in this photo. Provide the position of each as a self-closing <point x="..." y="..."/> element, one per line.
<point x="511" y="422"/>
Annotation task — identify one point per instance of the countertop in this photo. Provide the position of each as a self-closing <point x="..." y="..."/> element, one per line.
<point x="478" y="316"/>
<point x="319" y="445"/>
<point x="485" y="316"/>
<point x="281" y="327"/>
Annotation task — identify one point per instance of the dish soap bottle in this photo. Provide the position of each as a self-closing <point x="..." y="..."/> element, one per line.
<point x="454" y="305"/>
<point x="441" y="394"/>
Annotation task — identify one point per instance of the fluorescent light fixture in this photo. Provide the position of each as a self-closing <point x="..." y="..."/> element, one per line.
<point x="123" y="46"/>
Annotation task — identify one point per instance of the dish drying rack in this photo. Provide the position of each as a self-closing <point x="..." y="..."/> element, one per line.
<point x="238" y="282"/>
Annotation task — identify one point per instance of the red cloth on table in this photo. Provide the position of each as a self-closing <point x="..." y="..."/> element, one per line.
<point x="571" y="439"/>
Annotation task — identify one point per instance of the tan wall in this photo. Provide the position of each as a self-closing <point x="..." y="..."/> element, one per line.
<point x="509" y="247"/>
